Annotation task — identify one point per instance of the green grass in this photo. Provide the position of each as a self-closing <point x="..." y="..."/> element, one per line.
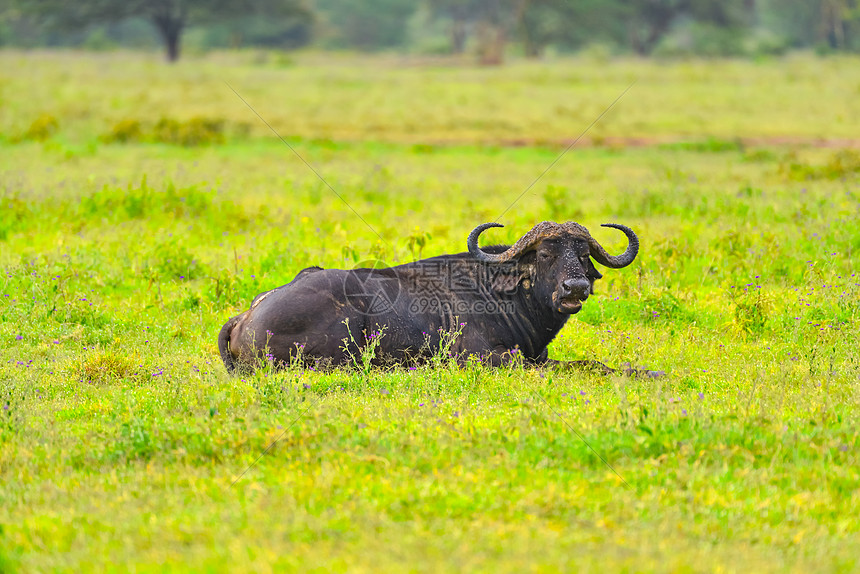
<point x="124" y="444"/>
<point x="326" y="97"/>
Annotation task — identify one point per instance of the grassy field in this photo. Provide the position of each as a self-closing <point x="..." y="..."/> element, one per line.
<point x="141" y="205"/>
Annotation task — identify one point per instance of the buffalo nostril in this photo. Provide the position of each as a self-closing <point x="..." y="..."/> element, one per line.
<point x="578" y="288"/>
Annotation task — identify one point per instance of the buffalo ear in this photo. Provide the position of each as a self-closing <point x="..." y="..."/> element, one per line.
<point x="511" y="279"/>
<point x="528" y="259"/>
<point x="593" y="274"/>
<point x="592" y="271"/>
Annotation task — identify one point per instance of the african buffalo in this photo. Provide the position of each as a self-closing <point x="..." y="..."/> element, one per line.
<point x="500" y="302"/>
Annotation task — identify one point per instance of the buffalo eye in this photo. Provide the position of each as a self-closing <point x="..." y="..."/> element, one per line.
<point x="544" y="255"/>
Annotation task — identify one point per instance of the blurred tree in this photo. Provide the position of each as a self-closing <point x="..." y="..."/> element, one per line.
<point x="461" y="15"/>
<point x="839" y="23"/>
<point x="492" y="20"/>
<point x="568" y="24"/>
<point x="648" y="21"/>
<point x="255" y="30"/>
<point x="824" y="24"/>
<point x="641" y="24"/>
<point x="495" y="21"/>
<point x="170" y="17"/>
<point x="487" y="27"/>
<point x="365" y="24"/>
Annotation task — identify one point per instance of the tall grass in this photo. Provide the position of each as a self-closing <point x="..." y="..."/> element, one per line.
<point x="124" y="444"/>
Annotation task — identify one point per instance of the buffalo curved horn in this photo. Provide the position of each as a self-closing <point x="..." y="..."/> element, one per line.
<point x="537" y="233"/>
<point x="472" y="243"/>
<point x="615" y="261"/>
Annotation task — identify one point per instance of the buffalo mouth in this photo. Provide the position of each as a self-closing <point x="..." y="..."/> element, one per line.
<point x="569" y="306"/>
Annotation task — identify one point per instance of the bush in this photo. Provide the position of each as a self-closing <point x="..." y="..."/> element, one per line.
<point x="842" y="163"/>
<point x="124" y="131"/>
<point x="107" y="366"/>
<point x="765" y="43"/>
<point x="42" y="128"/>
<point x="13" y="210"/>
<point x="751" y="308"/>
<point x="174" y="261"/>
<point x="166" y="131"/>
<point x="701" y="39"/>
<point x="196" y="131"/>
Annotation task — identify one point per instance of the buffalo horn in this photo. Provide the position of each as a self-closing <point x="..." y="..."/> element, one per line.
<point x="615" y="261"/>
<point x="536" y="234"/>
<point x="549" y="229"/>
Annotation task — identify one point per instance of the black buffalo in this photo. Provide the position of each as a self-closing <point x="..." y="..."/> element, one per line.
<point x="496" y="304"/>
